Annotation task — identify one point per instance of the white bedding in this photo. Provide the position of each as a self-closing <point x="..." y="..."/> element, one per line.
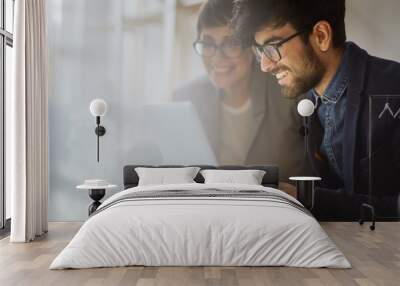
<point x="200" y="231"/>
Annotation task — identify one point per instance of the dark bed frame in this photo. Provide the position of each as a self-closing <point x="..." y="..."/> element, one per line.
<point x="270" y="179"/>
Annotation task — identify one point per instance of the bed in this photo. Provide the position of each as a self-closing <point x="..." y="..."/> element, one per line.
<point x="201" y="224"/>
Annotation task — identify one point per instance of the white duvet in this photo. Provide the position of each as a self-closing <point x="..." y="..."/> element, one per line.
<point x="200" y="231"/>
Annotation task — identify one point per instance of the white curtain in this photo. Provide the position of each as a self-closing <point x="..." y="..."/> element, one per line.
<point x="28" y="121"/>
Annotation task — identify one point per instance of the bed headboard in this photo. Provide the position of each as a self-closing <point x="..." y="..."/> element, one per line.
<point x="270" y="179"/>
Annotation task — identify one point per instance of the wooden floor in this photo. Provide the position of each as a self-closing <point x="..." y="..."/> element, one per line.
<point x="375" y="257"/>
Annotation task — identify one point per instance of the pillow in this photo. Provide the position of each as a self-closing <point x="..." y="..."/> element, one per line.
<point x="248" y="177"/>
<point x="163" y="176"/>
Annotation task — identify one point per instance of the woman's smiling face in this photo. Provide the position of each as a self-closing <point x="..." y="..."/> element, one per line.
<point x="225" y="71"/>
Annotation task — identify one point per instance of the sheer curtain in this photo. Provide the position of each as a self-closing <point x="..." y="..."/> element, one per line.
<point x="28" y="124"/>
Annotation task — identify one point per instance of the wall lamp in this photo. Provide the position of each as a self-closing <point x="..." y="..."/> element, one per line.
<point x="305" y="184"/>
<point x="306" y="108"/>
<point x="98" y="108"/>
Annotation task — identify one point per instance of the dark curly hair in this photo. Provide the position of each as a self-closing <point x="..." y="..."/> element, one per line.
<point x="250" y="16"/>
<point x="214" y="13"/>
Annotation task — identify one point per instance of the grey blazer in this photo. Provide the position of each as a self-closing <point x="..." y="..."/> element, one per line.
<point x="276" y="137"/>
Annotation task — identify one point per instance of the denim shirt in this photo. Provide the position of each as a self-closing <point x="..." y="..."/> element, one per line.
<point x="331" y="108"/>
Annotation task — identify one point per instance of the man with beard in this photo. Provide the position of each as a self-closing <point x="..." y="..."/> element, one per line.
<point x="303" y="44"/>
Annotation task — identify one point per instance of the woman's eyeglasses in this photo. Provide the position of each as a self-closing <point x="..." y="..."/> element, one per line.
<point x="229" y="48"/>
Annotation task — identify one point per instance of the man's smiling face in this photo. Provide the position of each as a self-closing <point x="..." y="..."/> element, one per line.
<point x="299" y="68"/>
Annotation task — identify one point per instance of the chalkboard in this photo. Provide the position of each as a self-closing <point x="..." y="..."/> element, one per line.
<point x="384" y="118"/>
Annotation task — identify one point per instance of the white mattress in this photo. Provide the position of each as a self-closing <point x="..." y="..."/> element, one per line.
<point x="200" y="231"/>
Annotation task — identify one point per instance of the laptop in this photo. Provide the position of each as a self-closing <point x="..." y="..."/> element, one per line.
<point x="174" y="134"/>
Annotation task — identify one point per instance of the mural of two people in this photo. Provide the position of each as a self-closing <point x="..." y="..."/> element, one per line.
<point x="245" y="116"/>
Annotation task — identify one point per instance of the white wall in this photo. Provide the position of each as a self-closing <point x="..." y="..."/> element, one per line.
<point x="99" y="49"/>
<point x="374" y="25"/>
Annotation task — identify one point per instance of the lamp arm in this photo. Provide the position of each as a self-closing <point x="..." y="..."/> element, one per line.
<point x="305" y="165"/>
<point x="98" y="145"/>
<point x="306" y="133"/>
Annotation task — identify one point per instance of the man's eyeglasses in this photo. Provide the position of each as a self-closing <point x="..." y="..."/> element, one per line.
<point x="229" y="48"/>
<point x="271" y="50"/>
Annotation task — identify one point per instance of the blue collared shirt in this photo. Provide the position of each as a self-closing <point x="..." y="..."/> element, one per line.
<point x="331" y="108"/>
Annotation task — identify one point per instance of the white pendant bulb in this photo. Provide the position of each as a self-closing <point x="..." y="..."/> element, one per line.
<point x="98" y="107"/>
<point x="305" y="107"/>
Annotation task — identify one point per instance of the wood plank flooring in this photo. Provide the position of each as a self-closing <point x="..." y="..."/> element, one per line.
<point x="375" y="257"/>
